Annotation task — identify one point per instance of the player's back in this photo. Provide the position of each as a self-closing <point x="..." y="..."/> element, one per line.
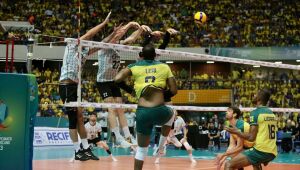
<point x="149" y="72"/>
<point x="266" y="121"/>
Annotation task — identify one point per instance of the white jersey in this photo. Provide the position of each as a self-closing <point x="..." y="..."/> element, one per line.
<point x="92" y="131"/>
<point x="179" y="124"/>
<point x="108" y="65"/>
<point x="69" y="69"/>
<point x="130" y="119"/>
<point x="103" y="118"/>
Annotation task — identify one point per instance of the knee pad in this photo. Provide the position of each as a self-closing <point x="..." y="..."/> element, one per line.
<point x="187" y="146"/>
<point x="72" y="115"/>
<point x="141" y="152"/>
<point x="170" y="122"/>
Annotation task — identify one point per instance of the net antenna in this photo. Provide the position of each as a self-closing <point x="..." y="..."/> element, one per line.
<point x="22" y="28"/>
<point x="79" y="54"/>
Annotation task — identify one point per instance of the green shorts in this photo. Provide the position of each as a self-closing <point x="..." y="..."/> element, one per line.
<point x="257" y="157"/>
<point x="148" y="117"/>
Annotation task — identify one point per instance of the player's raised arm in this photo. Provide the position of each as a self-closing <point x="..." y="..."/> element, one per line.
<point x="92" y="32"/>
<point x="122" y="75"/>
<point x="121" y="32"/>
<point x="135" y="35"/>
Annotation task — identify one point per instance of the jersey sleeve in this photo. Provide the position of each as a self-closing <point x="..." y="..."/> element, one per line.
<point x="253" y="117"/>
<point x="169" y="72"/>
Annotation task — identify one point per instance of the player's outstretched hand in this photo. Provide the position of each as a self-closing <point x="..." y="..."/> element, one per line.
<point x="157" y="34"/>
<point x="172" y="31"/>
<point x="146" y="28"/>
<point x="107" y="17"/>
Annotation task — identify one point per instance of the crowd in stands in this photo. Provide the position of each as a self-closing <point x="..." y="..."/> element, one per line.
<point x="230" y="23"/>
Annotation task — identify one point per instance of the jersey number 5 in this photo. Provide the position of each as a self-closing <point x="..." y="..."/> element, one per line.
<point x="151" y="78"/>
<point x="271" y="131"/>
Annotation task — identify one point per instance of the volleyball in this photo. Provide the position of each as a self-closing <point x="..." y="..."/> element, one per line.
<point x="200" y="17"/>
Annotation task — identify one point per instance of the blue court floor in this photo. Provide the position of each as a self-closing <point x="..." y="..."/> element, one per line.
<point x="66" y="152"/>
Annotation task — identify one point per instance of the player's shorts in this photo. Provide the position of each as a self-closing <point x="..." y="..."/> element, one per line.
<point x="179" y="136"/>
<point x="108" y="89"/>
<point x="131" y="130"/>
<point x="95" y="140"/>
<point x="68" y="92"/>
<point x="257" y="157"/>
<point x="148" y="117"/>
<point x="104" y="129"/>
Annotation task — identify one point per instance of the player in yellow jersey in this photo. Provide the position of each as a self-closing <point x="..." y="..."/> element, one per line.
<point x="236" y="144"/>
<point x="262" y="130"/>
<point x="150" y="79"/>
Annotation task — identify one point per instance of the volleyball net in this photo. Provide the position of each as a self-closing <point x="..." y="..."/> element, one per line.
<point x="202" y="87"/>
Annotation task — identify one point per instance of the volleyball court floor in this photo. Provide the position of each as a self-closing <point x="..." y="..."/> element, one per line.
<point x="57" y="158"/>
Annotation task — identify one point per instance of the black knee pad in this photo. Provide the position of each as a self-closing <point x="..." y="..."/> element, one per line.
<point x="72" y="115"/>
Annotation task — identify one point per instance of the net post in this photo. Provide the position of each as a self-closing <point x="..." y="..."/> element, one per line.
<point x="6" y="59"/>
<point x="12" y="55"/>
<point x="79" y="58"/>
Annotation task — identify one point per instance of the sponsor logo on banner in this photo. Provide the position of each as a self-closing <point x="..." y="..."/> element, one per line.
<point x="51" y="136"/>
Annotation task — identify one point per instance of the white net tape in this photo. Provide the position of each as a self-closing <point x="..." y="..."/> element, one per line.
<point x="182" y="108"/>
<point x="175" y="55"/>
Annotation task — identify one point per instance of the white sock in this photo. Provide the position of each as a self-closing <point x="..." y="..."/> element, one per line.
<point x="76" y="146"/>
<point x="116" y="131"/>
<point x="85" y="143"/>
<point x="191" y="156"/>
<point x="162" y="141"/>
<point x="126" y="132"/>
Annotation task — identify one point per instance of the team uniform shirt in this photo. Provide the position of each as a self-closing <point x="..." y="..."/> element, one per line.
<point x="92" y="131"/>
<point x="109" y="64"/>
<point x="69" y="69"/>
<point x="179" y="124"/>
<point x="149" y="72"/>
<point x="103" y="119"/>
<point x="266" y="121"/>
<point x="130" y="119"/>
<point x="245" y="128"/>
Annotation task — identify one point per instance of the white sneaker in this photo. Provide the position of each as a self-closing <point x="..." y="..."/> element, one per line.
<point x="193" y="160"/>
<point x="113" y="158"/>
<point x="157" y="160"/>
<point x="124" y="144"/>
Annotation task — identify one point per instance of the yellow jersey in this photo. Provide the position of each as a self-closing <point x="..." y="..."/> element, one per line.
<point x="266" y="121"/>
<point x="245" y="128"/>
<point x="149" y="72"/>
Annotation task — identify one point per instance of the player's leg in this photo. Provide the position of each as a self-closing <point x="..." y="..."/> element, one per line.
<point x="103" y="145"/>
<point x="165" y="130"/>
<point x="68" y="93"/>
<point x="141" y="151"/>
<point x="187" y="147"/>
<point x="144" y="125"/>
<point x="107" y="95"/>
<point x="121" y="116"/>
<point x="237" y="162"/>
<point x="123" y="122"/>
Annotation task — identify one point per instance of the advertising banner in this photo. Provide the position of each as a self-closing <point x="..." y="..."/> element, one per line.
<point x="202" y="96"/>
<point x="45" y="136"/>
